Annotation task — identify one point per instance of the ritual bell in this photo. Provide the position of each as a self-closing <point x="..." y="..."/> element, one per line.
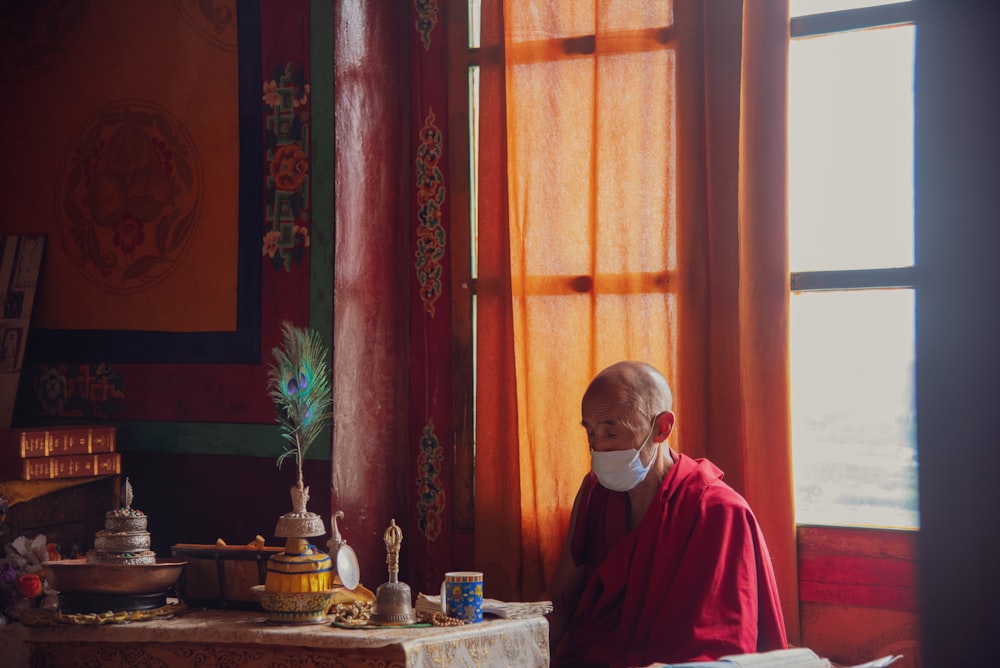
<point x="393" y="600"/>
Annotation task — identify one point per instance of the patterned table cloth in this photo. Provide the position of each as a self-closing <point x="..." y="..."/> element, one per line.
<point x="222" y="637"/>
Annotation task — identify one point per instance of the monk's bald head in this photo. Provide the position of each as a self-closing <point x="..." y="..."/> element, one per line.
<point x="631" y="384"/>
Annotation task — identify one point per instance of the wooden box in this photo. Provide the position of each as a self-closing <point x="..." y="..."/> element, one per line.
<point x="220" y="576"/>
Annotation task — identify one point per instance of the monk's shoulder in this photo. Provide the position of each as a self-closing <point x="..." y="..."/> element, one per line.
<point x="702" y="484"/>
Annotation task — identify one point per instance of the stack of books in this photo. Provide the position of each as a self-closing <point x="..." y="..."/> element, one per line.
<point x="44" y="453"/>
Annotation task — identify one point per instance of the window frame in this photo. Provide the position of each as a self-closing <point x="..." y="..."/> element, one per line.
<point x="463" y="55"/>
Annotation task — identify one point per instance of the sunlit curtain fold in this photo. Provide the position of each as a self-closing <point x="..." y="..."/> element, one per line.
<point x="631" y="206"/>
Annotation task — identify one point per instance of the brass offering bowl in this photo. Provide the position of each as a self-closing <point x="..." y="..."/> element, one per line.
<point x="77" y="576"/>
<point x="304" y="607"/>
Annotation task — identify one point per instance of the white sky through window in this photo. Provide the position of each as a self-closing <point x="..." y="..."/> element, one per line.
<point x="851" y="207"/>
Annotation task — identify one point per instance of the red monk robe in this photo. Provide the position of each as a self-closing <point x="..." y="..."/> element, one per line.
<point x="692" y="582"/>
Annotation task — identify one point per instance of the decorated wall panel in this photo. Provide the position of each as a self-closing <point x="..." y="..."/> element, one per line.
<point x="179" y="220"/>
<point x="186" y="164"/>
<point x="431" y="429"/>
<point x="170" y="158"/>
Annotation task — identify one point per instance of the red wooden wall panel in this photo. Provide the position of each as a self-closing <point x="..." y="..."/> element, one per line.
<point x="857" y="592"/>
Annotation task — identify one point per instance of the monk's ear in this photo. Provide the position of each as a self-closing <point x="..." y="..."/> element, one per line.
<point x="664" y="425"/>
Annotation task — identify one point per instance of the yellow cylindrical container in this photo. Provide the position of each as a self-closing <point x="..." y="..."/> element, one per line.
<point x="300" y="568"/>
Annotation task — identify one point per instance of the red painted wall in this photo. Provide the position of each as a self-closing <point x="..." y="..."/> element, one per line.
<point x="202" y="498"/>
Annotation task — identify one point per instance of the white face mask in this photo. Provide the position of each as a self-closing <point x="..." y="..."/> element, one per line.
<point x="621" y="470"/>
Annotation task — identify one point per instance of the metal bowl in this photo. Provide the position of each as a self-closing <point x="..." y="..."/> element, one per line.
<point x="305" y="607"/>
<point x="76" y="576"/>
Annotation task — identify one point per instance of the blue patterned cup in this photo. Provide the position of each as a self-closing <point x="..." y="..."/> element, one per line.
<point x="462" y="593"/>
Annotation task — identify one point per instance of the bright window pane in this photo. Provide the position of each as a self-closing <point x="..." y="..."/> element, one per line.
<point x="475" y="22"/>
<point x="474" y="170"/>
<point x="804" y="7"/>
<point x="850" y="160"/>
<point x="853" y="414"/>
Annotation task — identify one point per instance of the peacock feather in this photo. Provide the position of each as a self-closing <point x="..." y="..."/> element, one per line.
<point x="299" y="383"/>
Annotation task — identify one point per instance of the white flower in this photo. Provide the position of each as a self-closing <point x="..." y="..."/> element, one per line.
<point x="25" y="556"/>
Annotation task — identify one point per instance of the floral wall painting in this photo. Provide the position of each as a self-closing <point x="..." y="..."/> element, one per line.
<point x="437" y="422"/>
<point x="286" y="117"/>
<point x="79" y="390"/>
<point x="157" y="177"/>
<point x="131" y="188"/>
<point x="427" y="18"/>
<point x="187" y="389"/>
<point x="136" y="182"/>
<point x="431" y="235"/>
<point x="430" y="488"/>
<point x="154" y="178"/>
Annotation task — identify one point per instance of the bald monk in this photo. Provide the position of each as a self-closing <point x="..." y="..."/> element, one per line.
<point x="663" y="562"/>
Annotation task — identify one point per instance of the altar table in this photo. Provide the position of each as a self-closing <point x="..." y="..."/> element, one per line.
<point x="247" y="639"/>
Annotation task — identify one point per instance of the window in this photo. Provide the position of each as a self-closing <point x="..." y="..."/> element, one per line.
<point x="850" y="214"/>
<point x="851" y="252"/>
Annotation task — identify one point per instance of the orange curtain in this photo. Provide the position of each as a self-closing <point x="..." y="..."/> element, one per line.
<point x="631" y="206"/>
